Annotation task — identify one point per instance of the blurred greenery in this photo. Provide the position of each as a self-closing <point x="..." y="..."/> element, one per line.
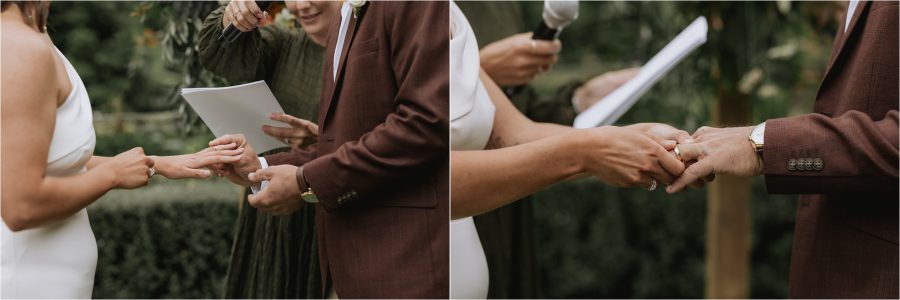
<point x="171" y="239"/>
<point x="597" y="241"/>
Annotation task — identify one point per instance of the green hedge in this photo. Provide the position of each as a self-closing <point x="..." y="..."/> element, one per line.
<point x="602" y="242"/>
<point x="171" y="239"/>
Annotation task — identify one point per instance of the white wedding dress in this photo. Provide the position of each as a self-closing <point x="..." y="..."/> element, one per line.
<point x="471" y="123"/>
<point x="57" y="260"/>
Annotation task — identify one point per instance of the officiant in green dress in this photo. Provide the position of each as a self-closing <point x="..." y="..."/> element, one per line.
<point x="273" y="256"/>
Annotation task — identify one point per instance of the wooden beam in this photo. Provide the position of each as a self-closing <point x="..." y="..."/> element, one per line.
<point x="728" y="223"/>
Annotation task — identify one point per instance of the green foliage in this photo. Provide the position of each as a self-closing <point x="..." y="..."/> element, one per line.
<point x="114" y="54"/>
<point x="180" y="23"/>
<point x="168" y="240"/>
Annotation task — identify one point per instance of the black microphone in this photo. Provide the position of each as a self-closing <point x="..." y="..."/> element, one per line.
<point x="231" y="33"/>
<point x="557" y="14"/>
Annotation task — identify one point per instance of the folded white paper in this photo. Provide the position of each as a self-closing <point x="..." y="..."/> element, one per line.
<point x="238" y="109"/>
<point x="609" y="109"/>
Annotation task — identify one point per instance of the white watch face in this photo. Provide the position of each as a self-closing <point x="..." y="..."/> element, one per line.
<point x="758" y="134"/>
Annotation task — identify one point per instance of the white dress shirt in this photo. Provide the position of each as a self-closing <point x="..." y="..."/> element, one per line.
<point x="851" y="8"/>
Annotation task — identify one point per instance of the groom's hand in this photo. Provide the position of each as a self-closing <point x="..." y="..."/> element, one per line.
<point x="282" y="195"/>
<point x="237" y="171"/>
<point x="718" y="151"/>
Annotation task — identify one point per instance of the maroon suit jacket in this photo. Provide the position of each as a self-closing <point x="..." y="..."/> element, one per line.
<point x="380" y="167"/>
<point x="844" y="157"/>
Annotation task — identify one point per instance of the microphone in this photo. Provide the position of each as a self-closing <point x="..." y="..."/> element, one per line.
<point x="557" y="14"/>
<point x="231" y="33"/>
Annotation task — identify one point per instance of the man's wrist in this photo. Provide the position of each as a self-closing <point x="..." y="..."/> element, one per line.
<point x="301" y="181"/>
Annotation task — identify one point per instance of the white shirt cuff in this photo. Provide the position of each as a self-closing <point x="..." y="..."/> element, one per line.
<point x="262" y="185"/>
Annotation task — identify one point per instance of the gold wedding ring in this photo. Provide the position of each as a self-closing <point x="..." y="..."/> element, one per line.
<point x="287" y="141"/>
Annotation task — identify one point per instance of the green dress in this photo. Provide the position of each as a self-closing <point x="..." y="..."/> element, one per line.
<point x="507" y="234"/>
<point x="272" y="257"/>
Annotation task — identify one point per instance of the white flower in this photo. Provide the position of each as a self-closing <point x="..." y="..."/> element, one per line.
<point x="356" y="5"/>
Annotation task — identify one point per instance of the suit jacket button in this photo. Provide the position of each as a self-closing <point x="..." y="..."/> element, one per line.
<point x="818" y="164"/>
<point x="808" y="164"/>
<point x="800" y="164"/>
<point x="792" y="165"/>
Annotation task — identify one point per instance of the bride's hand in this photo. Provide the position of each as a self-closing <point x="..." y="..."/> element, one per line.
<point x="131" y="168"/>
<point x="301" y="132"/>
<point x="625" y="157"/>
<point x="663" y="132"/>
<point x="195" y="165"/>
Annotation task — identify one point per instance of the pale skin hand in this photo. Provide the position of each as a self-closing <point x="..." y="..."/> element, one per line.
<point x="194" y="165"/>
<point x="517" y="59"/>
<point x="533" y="156"/>
<point x="30" y="197"/>
<point x="239" y="170"/>
<point x="300" y="133"/>
<point x="598" y="87"/>
<point x="718" y="151"/>
<point x="245" y="15"/>
<point x="282" y="195"/>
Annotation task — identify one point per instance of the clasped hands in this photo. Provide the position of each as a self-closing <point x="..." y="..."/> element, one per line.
<point x="626" y="159"/>
<point x="282" y="194"/>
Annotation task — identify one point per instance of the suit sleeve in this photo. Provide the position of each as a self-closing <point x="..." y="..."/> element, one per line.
<point x="415" y="137"/>
<point x="856" y="153"/>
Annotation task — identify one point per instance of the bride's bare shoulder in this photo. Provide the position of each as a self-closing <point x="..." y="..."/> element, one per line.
<point x="27" y="55"/>
<point x="23" y="44"/>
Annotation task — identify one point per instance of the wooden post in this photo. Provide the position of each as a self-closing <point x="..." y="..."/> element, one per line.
<point x="728" y="221"/>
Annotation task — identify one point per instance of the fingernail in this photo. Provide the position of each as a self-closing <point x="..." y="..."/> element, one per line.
<point x="669" y="189"/>
<point x="206" y="173"/>
<point x="688" y="140"/>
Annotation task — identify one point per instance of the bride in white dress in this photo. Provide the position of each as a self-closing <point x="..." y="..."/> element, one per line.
<point x="49" y="173"/>
<point x="499" y="155"/>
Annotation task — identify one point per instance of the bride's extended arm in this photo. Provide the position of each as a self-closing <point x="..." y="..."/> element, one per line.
<point x="30" y="198"/>
<point x="532" y="156"/>
<point x="511" y="127"/>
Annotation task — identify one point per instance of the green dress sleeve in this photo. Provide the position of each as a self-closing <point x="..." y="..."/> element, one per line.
<point x="251" y="57"/>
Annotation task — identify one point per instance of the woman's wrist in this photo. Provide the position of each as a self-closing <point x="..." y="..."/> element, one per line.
<point x="107" y="174"/>
<point x="574" y="151"/>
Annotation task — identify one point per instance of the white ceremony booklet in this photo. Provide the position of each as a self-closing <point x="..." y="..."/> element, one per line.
<point x="238" y="109"/>
<point x="613" y="106"/>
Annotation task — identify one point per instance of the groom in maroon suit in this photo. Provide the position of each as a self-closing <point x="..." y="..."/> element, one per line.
<point x="843" y="158"/>
<point x="378" y="174"/>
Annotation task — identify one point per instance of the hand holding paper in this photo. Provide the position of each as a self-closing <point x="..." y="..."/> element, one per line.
<point x="613" y="106"/>
<point x="240" y="109"/>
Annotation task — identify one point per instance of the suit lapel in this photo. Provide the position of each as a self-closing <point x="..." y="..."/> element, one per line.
<point x="841" y="39"/>
<point x="338" y="78"/>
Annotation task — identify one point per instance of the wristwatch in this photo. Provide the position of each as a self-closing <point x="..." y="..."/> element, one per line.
<point x="757" y="138"/>
<point x="308" y="196"/>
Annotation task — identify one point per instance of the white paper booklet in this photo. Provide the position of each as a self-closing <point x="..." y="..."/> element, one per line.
<point x="609" y="109"/>
<point x="238" y="109"/>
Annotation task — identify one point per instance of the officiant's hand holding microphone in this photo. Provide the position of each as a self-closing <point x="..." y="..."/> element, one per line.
<point x="244" y="15"/>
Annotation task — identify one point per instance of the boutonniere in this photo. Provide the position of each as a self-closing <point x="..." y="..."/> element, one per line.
<point x="357" y="5"/>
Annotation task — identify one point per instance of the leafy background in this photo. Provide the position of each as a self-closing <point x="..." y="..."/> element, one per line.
<point x="173" y="239"/>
